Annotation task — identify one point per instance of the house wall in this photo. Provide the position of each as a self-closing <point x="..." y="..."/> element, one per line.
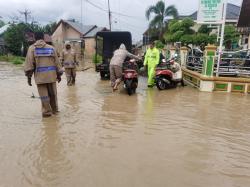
<point x="66" y="33"/>
<point x="58" y="38"/>
<point x="71" y="33"/>
<point x="90" y="44"/>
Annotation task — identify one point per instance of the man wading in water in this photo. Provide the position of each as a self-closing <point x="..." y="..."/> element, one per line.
<point x="42" y="61"/>
<point x="69" y="62"/>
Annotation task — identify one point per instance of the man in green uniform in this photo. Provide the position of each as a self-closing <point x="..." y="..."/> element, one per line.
<point x="151" y="60"/>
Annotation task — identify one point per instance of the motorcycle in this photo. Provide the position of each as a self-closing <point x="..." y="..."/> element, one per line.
<point x="165" y="78"/>
<point x="130" y="76"/>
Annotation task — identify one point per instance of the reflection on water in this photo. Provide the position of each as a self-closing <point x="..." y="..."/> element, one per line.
<point x="44" y="160"/>
<point x="177" y="137"/>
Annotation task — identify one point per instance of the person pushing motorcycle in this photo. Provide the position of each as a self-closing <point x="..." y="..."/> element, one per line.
<point x="116" y="65"/>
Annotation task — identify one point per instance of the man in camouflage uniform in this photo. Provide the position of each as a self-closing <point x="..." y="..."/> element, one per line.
<point x="43" y="62"/>
<point x="69" y="62"/>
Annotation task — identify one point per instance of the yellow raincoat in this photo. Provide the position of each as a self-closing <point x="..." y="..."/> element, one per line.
<point x="152" y="58"/>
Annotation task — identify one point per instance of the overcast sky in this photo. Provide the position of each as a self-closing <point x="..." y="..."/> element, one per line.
<point x="45" y="11"/>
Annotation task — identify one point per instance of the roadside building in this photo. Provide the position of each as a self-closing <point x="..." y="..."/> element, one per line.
<point x="81" y="37"/>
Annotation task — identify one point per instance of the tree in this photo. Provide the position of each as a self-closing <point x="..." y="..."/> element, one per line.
<point x="15" y="38"/>
<point x="180" y="30"/>
<point x="50" y="28"/>
<point x="204" y="29"/>
<point x="160" y="11"/>
<point x="231" y="36"/>
<point x="159" y="44"/>
<point x="187" y="39"/>
<point x="1" y="23"/>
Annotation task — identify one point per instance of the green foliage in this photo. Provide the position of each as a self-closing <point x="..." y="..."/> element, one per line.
<point x="201" y="38"/>
<point x="159" y="44"/>
<point x="180" y="30"/>
<point x="17" y="60"/>
<point x="4" y="58"/>
<point x="1" y="23"/>
<point x="213" y="39"/>
<point x="231" y="36"/>
<point x="187" y="39"/>
<point x="15" y="38"/>
<point x="175" y="26"/>
<point x="50" y="28"/>
<point x="160" y="11"/>
<point x="204" y="29"/>
<point x="186" y="24"/>
<point x="97" y="59"/>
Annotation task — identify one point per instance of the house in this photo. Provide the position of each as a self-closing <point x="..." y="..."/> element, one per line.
<point x="82" y="37"/>
<point x="232" y="15"/>
<point x="2" y="43"/>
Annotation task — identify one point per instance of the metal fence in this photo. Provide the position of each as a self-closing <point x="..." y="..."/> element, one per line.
<point x="232" y="63"/>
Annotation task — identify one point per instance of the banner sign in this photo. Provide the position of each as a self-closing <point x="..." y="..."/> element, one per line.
<point x="210" y="11"/>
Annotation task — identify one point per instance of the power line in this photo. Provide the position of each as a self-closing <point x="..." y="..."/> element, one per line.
<point x="129" y="24"/>
<point x="113" y="12"/>
<point x="124" y="15"/>
<point x="96" y="6"/>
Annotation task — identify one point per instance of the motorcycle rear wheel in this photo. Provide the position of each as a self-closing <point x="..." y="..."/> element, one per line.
<point x="162" y="85"/>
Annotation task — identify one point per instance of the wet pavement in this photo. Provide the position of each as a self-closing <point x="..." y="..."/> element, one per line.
<point x="176" y="138"/>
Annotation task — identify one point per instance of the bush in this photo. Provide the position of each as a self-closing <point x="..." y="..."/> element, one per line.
<point x="97" y="59"/>
<point x="4" y="58"/>
<point x="159" y="44"/>
<point x="12" y="59"/>
<point x="17" y="61"/>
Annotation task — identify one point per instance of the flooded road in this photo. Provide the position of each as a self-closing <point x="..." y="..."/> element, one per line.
<point x="175" y="138"/>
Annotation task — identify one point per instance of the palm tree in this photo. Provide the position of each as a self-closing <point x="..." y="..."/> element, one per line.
<point x="160" y="11"/>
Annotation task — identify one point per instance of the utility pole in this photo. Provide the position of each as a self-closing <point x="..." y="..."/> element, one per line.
<point x="26" y="13"/>
<point x="109" y="16"/>
<point x="222" y="36"/>
<point x="81" y="12"/>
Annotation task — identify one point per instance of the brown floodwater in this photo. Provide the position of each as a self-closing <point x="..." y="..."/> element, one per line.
<point x="175" y="138"/>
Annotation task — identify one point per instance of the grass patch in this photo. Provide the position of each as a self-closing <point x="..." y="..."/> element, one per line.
<point x="17" y="60"/>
